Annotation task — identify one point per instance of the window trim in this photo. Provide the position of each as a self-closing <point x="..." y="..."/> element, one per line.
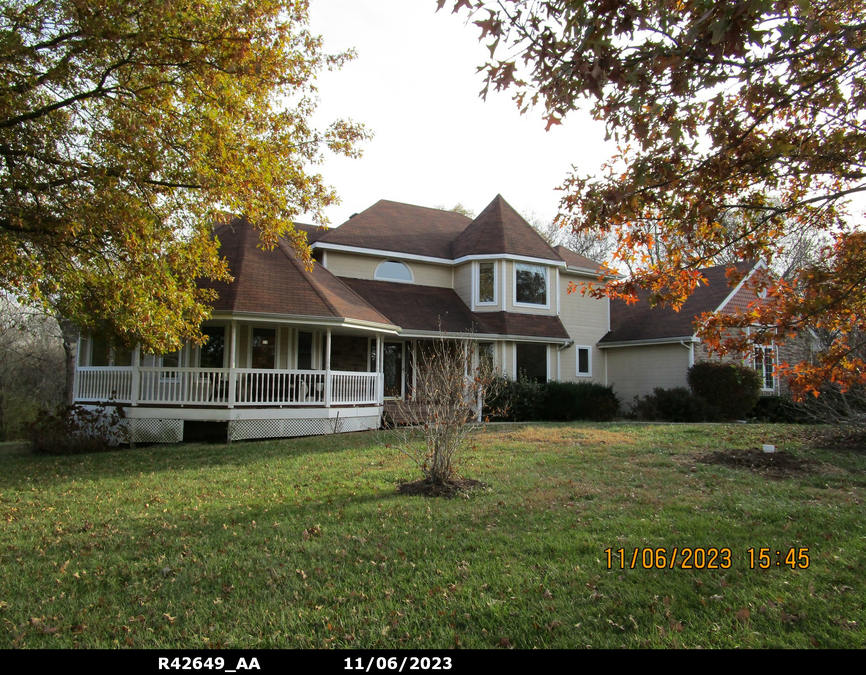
<point x="411" y="279"/>
<point x="546" y="287"/>
<point x="476" y="283"/>
<point x="771" y="348"/>
<point x="277" y="345"/>
<point x="577" y="349"/>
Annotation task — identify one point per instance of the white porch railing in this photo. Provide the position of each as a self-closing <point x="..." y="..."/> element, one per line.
<point x="184" y="385"/>
<point x="280" y="387"/>
<point x="214" y="386"/>
<point x="103" y="383"/>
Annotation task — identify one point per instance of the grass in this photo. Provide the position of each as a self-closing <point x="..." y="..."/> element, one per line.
<point x="304" y="543"/>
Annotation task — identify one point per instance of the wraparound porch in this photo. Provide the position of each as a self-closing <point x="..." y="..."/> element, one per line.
<point x="263" y="379"/>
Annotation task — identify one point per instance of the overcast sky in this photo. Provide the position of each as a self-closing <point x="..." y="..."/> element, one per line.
<point x="415" y="85"/>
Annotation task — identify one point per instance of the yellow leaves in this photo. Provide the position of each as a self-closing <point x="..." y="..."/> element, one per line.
<point x="121" y="233"/>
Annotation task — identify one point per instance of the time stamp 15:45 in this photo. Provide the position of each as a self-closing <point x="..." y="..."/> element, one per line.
<point x="704" y="558"/>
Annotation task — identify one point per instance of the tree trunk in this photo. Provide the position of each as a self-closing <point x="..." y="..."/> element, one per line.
<point x="69" y="334"/>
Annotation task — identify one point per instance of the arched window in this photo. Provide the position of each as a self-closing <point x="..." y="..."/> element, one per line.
<point x="391" y="270"/>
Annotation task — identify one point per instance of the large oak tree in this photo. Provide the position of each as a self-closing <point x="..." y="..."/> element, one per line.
<point x="128" y="127"/>
<point x="736" y="122"/>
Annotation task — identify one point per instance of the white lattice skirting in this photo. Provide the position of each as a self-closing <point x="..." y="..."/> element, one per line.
<point x="154" y="430"/>
<point x="241" y="430"/>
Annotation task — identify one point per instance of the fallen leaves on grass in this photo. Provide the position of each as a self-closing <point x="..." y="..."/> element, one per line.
<point x="450" y="489"/>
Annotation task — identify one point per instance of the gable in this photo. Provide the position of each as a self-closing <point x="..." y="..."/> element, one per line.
<point x="641" y="322"/>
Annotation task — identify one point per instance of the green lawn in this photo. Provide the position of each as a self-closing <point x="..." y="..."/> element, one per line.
<point x="304" y="543"/>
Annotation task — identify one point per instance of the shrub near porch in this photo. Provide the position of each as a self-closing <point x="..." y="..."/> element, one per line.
<point x="304" y="543"/>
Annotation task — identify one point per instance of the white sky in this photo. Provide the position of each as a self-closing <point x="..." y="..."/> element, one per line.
<point x="415" y="85"/>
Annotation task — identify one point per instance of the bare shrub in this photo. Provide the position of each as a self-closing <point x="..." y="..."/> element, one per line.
<point x="445" y="405"/>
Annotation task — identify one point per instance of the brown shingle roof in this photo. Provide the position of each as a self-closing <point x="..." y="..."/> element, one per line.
<point x="499" y="229"/>
<point x="573" y="259"/>
<point x="429" y="308"/>
<point x="641" y="322"/>
<point x="402" y="228"/>
<point x="314" y="232"/>
<point x="275" y="282"/>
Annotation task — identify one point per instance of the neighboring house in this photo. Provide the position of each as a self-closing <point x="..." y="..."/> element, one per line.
<point x="649" y="347"/>
<point x="291" y="352"/>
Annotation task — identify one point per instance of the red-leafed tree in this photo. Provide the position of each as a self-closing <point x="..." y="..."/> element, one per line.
<point x="736" y="123"/>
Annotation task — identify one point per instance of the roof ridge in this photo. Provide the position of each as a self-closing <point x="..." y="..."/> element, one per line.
<point x="235" y="286"/>
<point x="293" y="259"/>
<point x="315" y="283"/>
<point x="419" y="206"/>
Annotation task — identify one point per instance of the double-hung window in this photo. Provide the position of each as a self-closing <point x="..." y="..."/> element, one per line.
<point x="486" y="283"/>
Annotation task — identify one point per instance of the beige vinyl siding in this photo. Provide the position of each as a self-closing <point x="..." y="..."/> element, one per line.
<point x="635" y="371"/>
<point x="351" y="265"/>
<point x="243" y="346"/>
<point x="356" y="266"/>
<point x="283" y="349"/>
<point x="586" y="320"/>
<point x="463" y="283"/>
<point x="505" y="358"/>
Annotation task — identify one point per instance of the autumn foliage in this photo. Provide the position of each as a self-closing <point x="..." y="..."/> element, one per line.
<point x="128" y="127"/>
<point x="736" y="124"/>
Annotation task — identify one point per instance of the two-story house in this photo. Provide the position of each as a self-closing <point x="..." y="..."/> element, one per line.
<point x="291" y="352"/>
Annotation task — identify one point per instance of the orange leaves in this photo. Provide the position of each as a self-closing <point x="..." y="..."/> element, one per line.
<point x="740" y="150"/>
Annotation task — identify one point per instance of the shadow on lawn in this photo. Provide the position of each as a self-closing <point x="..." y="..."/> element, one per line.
<point x="19" y="467"/>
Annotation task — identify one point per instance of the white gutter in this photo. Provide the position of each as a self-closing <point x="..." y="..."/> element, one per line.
<point x="691" y="348"/>
<point x="305" y="320"/>
<point x="654" y="341"/>
<point x="432" y="259"/>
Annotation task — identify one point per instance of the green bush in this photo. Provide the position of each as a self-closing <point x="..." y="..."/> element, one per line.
<point x="76" y="430"/>
<point x="730" y="388"/>
<point x="525" y="400"/>
<point x="567" y="401"/>
<point x="673" y="405"/>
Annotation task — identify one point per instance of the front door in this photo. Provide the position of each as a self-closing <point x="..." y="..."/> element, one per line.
<point x="393" y="368"/>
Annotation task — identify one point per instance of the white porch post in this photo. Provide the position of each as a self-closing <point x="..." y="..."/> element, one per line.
<point x="136" y="375"/>
<point x="232" y="365"/>
<point x="328" y="369"/>
<point x="380" y="370"/>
